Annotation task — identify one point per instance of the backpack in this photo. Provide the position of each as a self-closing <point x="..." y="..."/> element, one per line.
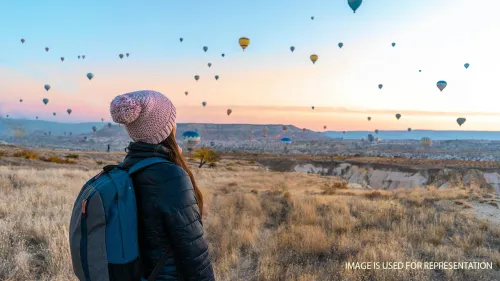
<point x="103" y="232"/>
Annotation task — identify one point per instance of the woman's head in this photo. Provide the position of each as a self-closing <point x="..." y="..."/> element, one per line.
<point x="149" y="117"/>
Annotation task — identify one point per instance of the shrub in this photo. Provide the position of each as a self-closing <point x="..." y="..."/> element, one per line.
<point x="26" y="154"/>
<point x="99" y="162"/>
<point x="206" y="155"/>
<point x="58" y="160"/>
<point x="72" y="156"/>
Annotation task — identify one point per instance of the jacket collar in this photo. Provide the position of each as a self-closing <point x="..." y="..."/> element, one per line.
<point x="137" y="151"/>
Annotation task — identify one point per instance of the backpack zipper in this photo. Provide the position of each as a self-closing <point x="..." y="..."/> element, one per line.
<point x="83" y="241"/>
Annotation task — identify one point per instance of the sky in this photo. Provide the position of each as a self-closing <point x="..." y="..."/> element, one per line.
<point x="266" y="83"/>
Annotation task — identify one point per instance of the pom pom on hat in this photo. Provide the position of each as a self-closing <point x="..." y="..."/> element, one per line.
<point x="125" y="109"/>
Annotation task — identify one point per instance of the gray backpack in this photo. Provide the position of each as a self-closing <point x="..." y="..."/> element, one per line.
<point x="103" y="234"/>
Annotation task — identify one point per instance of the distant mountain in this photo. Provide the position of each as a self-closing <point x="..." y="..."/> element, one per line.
<point x="11" y="127"/>
<point x="418" y="134"/>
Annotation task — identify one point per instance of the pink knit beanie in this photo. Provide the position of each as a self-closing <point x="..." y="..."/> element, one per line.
<point x="148" y="116"/>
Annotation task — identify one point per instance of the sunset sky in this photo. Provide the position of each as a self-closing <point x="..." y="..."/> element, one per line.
<point x="266" y="83"/>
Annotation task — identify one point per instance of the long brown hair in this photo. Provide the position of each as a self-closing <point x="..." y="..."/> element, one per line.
<point x="176" y="157"/>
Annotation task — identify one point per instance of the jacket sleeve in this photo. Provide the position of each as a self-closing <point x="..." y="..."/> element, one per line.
<point x="184" y="227"/>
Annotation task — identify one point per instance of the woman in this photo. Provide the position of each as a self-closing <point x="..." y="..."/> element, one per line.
<point x="169" y="202"/>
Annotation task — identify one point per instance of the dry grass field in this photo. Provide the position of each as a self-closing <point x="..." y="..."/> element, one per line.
<point x="261" y="225"/>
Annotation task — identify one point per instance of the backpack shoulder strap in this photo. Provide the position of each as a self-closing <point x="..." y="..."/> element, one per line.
<point x="160" y="264"/>
<point x="146" y="163"/>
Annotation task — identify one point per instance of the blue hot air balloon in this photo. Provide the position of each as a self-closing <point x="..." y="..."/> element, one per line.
<point x="181" y="39"/>
<point x="354" y="4"/>
<point x="393" y="44"/>
<point x="90" y="76"/>
<point x="205" y="48"/>
<point x="223" y="55"/>
<point x="286" y="141"/>
<point x="191" y="139"/>
<point x="312" y="107"/>
<point x="466" y="65"/>
<point x="441" y="85"/>
<point x="371" y="138"/>
<point x="420" y="70"/>
<point x="204" y="103"/>
<point x="292" y="48"/>
<point x="341" y="45"/>
<point x="380" y="86"/>
<point x="45" y="101"/>
<point x="47" y="87"/>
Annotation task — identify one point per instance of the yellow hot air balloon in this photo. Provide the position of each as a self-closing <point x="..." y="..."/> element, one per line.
<point x="314" y="58"/>
<point x="244" y="42"/>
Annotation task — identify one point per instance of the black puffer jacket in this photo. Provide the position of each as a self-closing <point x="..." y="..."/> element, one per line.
<point x="168" y="216"/>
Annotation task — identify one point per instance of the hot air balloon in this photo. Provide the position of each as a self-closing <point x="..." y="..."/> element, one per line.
<point x="121" y="56"/>
<point x="292" y="48"/>
<point x="205" y="48"/>
<point x="312" y="18"/>
<point x="354" y="4"/>
<point x="461" y="121"/>
<point x="69" y="111"/>
<point x="341" y="45"/>
<point x="369" y="118"/>
<point x="371" y="138"/>
<point x="90" y="76"/>
<point x="284" y="128"/>
<point x="216" y="77"/>
<point x="376" y="131"/>
<point x="304" y="130"/>
<point x="22" y="40"/>
<point x="186" y="93"/>
<point x="102" y="119"/>
<point x="83" y="57"/>
<point x="7" y="115"/>
<point x="324" y="127"/>
<point x="21" y="100"/>
<point x="244" y="42"/>
<point x="191" y="139"/>
<point x="398" y="116"/>
<point x="47" y="87"/>
<point x="264" y="131"/>
<point x="314" y="58"/>
<point x="45" y="101"/>
<point x="222" y="55"/>
<point x="78" y="57"/>
<point x="420" y="70"/>
<point x="62" y="58"/>
<point x="37" y="118"/>
<point x="380" y="86"/>
<point x="109" y="125"/>
<point x="426" y="142"/>
<point x="209" y="64"/>
<point x="441" y="85"/>
<point x="229" y="111"/>
<point x="204" y="103"/>
<point x="196" y="77"/>
<point x="466" y="65"/>
<point x="127" y="54"/>
<point x="46" y="49"/>
<point x="94" y="128"/>
<point x="409" y="129"/>
<point x="393" y="44"/>
<point x="286" y="142"/>
<point x="312" y="107"/>
<point x="53" y="113"/>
